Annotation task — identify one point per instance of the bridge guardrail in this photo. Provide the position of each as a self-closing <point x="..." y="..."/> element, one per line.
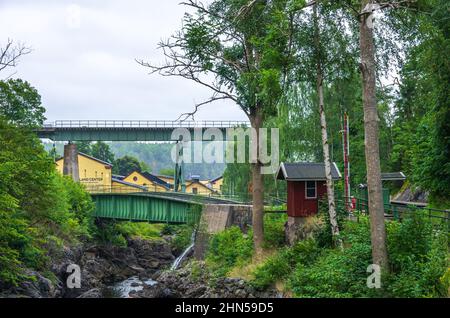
<point x="144" y="124"/>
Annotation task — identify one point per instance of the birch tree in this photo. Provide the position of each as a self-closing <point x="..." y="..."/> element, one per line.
<point x="323" y="126"/>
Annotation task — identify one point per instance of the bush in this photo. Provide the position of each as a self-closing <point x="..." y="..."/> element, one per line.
<point x="143" y="230"/>
<point x="227" y="249"/>
<point x="279" y="266"/>
<point x="274" y="229"/>
<point x="324" y="237"/>
<point x="418" y="256"/>
<point x="182" y="238"/>
<point x="108" y="233"/>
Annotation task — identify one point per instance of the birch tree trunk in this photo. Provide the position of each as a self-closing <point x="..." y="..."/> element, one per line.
<point x="371" y="139"/>
<point x="323" y="126"/>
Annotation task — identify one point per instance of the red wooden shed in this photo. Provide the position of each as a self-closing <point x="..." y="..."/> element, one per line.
<point x="306" y="184"/>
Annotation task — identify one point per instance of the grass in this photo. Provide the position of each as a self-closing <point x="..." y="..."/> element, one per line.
<point x="143" y="230"/>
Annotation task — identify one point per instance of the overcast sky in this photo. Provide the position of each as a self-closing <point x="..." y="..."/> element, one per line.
<point x="83" y="55"/>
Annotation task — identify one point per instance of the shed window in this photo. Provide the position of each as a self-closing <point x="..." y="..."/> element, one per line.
<point x="311" y="190"/>
<point x="194" y="190"/>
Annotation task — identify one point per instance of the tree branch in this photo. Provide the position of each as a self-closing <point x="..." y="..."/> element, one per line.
<point x="9" y="56"/>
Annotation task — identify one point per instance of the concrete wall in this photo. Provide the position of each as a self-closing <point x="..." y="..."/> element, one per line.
<point x="216" y="218"/>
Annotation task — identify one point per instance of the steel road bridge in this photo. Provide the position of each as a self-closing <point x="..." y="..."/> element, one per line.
<point x="127" y="130"/>
<point x="158" y="207"/>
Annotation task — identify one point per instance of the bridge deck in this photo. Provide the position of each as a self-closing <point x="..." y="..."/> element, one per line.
<point x="153" y="206"/>
<point x="127" y="130"/>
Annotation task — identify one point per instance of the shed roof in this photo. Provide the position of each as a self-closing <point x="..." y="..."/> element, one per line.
<point x="392" y="176"/>
<point x="304" y="171"/>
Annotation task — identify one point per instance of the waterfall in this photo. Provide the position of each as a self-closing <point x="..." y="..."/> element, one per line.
<point x="180" y="258"/>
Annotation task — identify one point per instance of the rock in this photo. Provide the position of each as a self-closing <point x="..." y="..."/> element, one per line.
<point x="37" y="286"/>
<point x="92" y="293"/>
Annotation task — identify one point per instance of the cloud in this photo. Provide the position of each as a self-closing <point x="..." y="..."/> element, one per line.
<point x="83" y="59"/>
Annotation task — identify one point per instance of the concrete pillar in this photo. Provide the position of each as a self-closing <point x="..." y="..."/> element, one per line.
<point x="70" y="167"/>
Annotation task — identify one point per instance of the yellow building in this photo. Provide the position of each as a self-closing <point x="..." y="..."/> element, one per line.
<point x="197" y="187"/>
<point x="149" y="181"/>
<point x="167" y="179"/>
<point x="216" y="184"/>
<point x="120" y="186"/>
<point x="96" y="175"/>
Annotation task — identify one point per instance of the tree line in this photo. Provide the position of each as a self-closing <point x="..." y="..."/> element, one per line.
<point x="300" y="65"/>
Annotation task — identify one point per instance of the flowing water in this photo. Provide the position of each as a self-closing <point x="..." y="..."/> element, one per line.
<point x="180" y="258"/>
<point x="124" y="288"/>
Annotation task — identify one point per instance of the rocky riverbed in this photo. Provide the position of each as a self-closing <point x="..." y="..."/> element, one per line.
<point x="100" y="267"/>
<point x="140" y="270"/>
<point x="194" y="282"/>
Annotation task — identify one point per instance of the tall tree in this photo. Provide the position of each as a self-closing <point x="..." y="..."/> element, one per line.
<point x="101" y="150"/>
<point x="126" y="165"/>
<point x="244" y="45"/>
<point x="371" y="133"/>
<point x="20" y="103"/>
<point x="84" y="147"/>
<point x="323" y="125"/>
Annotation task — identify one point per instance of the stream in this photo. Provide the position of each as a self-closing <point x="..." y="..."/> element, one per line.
<point x="123" y="288"/>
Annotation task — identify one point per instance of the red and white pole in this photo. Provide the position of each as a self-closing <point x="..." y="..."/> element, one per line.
<point x="346" y="164"/>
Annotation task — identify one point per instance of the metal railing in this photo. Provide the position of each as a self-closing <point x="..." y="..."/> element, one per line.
<point x="396" y="211"/>
<point x="145" y="124"/>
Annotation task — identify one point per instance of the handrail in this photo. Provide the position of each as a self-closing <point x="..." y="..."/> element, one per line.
<point x="396" y="211"/>
<point x="144" y="124"/>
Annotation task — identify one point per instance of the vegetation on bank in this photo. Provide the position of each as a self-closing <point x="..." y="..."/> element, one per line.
<point x="312" y="268"/>
<point x="40" y="210"/>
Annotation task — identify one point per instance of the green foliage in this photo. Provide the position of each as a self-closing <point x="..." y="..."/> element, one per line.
<point x="167" y="172"/>
<point x="274" y="229"/>
<point x="84" y="147"/>
<point x="279" y="266"/>
<point x="228" y="249"/>
<point x="182" y="236"/>
<point x="37" y="205"/>
<point x="324" y="236"/>
<point x="422" y="115"/>
<point x="143" y="230"/>
<point x="418" y="251"/>
<point x="101" y="150"/>
<point x="107" y="233"/>
<point x="126" y="165"/>
<point x="20" y="103"/>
